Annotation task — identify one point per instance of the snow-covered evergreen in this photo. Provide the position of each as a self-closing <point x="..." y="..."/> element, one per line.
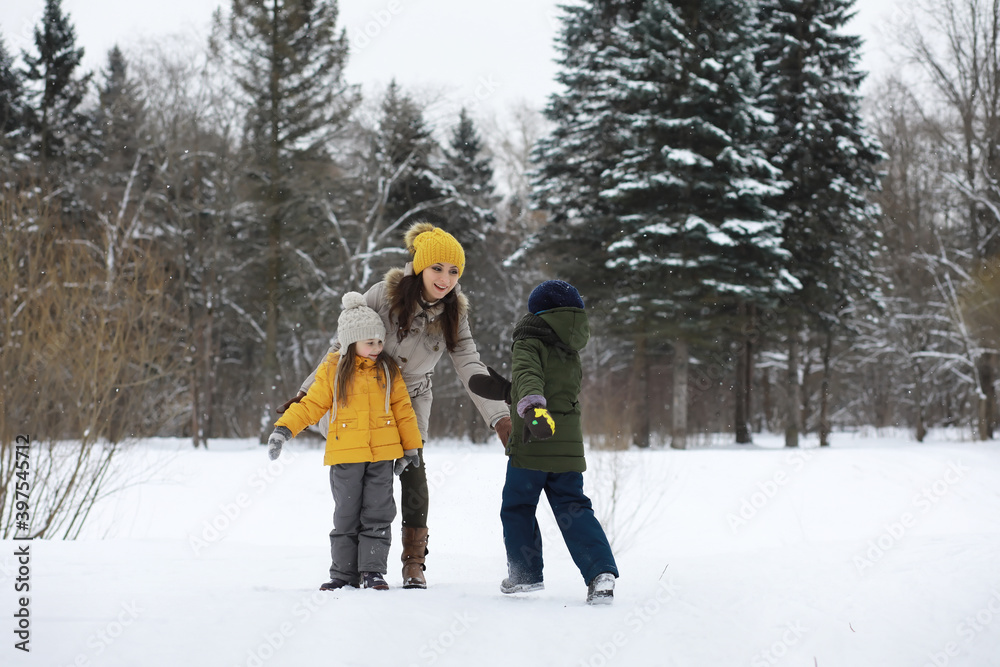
<point x="690" y="193"/>
<point x="55" y="89"/>
<point x="288" y="59"/>
<point x="811" y="88"/>
<point x="656" y="162"/>
<point x="11" y="102"/>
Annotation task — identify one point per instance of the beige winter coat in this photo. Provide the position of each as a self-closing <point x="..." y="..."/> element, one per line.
<point x="420" y="351"/>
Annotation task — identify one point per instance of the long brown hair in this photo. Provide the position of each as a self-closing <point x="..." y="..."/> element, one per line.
<point x="406" y="299"/>
<point x="344" y="376"/>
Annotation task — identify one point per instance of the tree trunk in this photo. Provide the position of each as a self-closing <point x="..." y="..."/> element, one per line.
<point x="987" y="404"/>
<point x="804" y="395"/>
<point x="793" y="406"/>
<point x="766" y="408"/>
<point x="270" y="372"/>
<point x="640" y="394"/>
<point x="679" y="439"/>
<point x="824" y="393"/>
<point x="195" y="406"/>
<point x="269" y="365"/>
<point x="918" y="396"/>
<point x="741" y="387"/>
<point x="208" y="374"/>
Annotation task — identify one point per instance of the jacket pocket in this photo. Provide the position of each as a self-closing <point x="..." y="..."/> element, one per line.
<point x="345" y="425"/>
<point x="434" y="343"/>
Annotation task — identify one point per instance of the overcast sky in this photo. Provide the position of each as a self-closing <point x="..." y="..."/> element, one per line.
<point x="483" y="54"/>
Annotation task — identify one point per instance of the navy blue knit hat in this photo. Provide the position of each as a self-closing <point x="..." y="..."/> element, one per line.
<point x="553" y="294"/>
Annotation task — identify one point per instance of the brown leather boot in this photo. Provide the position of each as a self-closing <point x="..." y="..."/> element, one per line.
<point x="414" y="552"/>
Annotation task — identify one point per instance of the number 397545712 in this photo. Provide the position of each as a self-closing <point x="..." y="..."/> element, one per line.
<point x="23" y="487"/>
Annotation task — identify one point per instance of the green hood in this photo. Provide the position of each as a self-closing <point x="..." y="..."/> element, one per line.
<point x="570" y="324"/>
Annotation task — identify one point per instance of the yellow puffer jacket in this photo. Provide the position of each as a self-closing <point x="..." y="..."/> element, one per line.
<point x="373" y="424"/>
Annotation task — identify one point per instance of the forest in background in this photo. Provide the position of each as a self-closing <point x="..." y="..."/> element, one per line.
<point x="760" y="247"/>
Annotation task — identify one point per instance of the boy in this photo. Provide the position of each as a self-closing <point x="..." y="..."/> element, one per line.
<point x="545" y="448"/>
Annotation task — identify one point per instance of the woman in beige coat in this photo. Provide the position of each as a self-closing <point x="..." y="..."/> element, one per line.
<point x="425" y="315"/>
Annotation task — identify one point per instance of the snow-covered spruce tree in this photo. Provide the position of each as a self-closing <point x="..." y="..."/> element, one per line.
<point x="409" y="149"/>
<point x="123" y="165"/>
<point x="692" y="191"/>
<point x="466" y="165"/>
<point x="672" y="186"/>
<point x="492" y="289"/>
<point x="588" y="137"/>
<point x="119" y="118"/>
<point x="468" y="175"/>
<point x="288" y="60"/>
<point x="586" y="141"/>
<point x="810" y="84"/>
<point x="55" y="91"/>
<point x="12" y="113"/>
<point x="392" y="182"/>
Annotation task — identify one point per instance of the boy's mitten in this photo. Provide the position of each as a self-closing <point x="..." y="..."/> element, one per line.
<point x="411" y="457"/>
<point x="538" y="423"/>
<point x="278" y="438"/>
<point x="494" y="386"/>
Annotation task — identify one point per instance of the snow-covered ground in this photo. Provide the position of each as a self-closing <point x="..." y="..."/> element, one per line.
<point x="875" y="552"/>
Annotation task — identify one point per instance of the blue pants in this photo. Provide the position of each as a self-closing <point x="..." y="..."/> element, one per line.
<point x="584" y="536"/>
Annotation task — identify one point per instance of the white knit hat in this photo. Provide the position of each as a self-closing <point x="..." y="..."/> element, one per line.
<point x="358" y="321"/>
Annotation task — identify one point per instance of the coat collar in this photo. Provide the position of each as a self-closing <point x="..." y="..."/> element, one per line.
<point x="363" y="363"/>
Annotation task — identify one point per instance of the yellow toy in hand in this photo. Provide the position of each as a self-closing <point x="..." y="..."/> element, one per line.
<point x="539" y="423"/>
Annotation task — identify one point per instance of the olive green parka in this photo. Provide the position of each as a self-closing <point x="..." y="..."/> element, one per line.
<point x="546" y="362"/>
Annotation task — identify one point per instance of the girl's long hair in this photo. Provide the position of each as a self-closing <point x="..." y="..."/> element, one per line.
<point x="346" y="367"/>
<point x="405" y="302"/>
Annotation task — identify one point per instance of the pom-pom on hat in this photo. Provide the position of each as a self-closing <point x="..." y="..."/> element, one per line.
<point x="358" y="321"/>
<point x="553" y="294"/>
<point x="429" y="244"/>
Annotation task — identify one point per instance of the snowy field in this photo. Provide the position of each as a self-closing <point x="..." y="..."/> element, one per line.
<point x="875" y="552"/>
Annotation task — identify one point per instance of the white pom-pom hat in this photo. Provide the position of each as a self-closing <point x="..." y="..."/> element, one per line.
<point x="358" y="321"/>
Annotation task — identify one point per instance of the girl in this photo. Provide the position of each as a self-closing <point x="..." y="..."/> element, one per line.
<point x="372" y="424"/>
<point x="426" y="314"/>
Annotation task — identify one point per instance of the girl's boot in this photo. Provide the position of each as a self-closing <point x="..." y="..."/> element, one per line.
<point x="414" y="553"/>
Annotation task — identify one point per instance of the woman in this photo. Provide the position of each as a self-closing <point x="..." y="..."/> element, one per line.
<point x="425" y="314"/>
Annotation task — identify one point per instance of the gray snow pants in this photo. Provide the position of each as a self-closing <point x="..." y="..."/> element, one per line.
<point x="363" y="512"/>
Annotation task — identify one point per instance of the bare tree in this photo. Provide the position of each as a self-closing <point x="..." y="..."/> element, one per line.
<point x="84" y="352"/>
<point x="956" y="46"/>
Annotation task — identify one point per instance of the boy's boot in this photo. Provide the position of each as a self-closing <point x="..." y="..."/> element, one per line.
<point x="602" y="589"/>
<point x="414" y="553"/>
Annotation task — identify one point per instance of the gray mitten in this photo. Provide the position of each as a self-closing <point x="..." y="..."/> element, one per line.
<point x="278" y="438"/>
<point x="411" y="457"/>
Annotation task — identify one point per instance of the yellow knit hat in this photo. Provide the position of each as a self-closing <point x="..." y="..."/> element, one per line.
<point x="429" y="244"/>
